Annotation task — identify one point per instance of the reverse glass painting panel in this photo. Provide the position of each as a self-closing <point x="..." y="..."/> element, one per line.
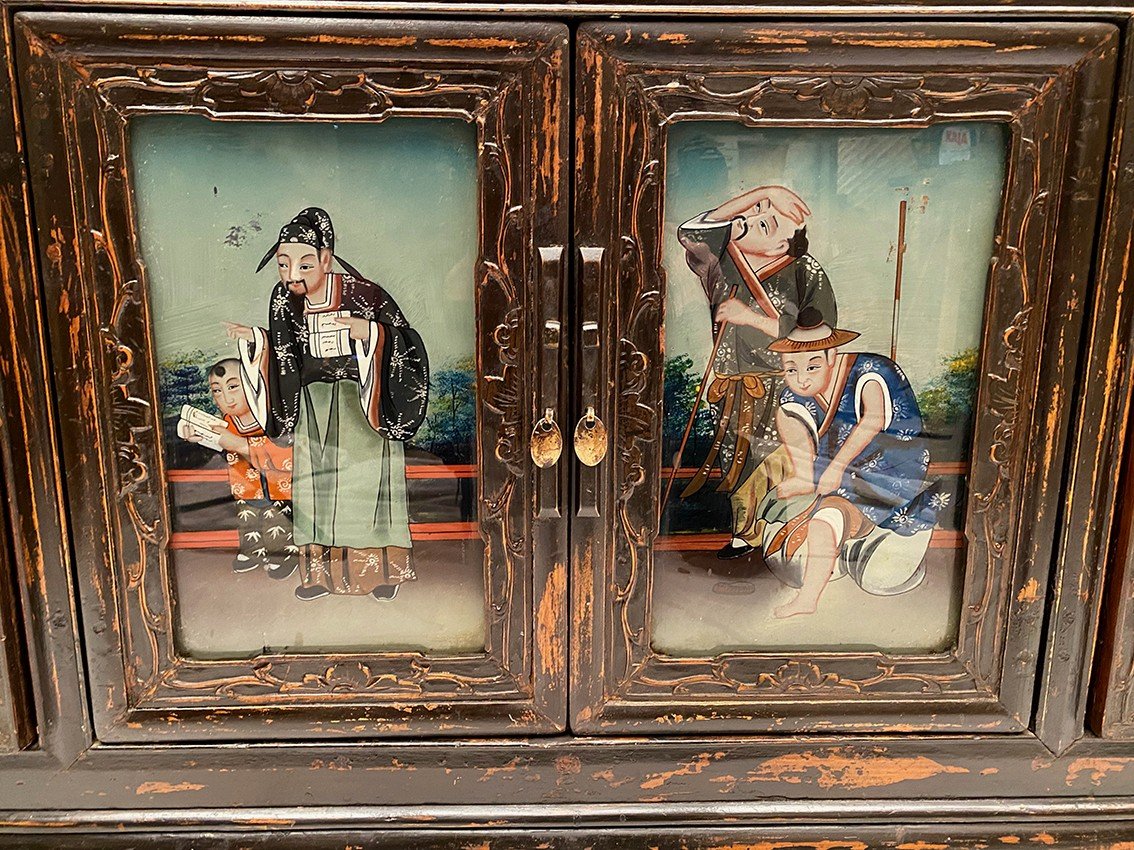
<point x="312" y="295"/>
<point x="825" y="295"/>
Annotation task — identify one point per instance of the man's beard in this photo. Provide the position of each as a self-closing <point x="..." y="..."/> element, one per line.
<point x="302" y="283"/>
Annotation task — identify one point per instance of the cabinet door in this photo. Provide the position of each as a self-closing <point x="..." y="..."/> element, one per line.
<point x="302" y="500"/>
<point x="831" y="488"/>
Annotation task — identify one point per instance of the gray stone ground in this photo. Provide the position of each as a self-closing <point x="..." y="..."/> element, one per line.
<point x="698" y="613"/>
<point x="226" y="614"/>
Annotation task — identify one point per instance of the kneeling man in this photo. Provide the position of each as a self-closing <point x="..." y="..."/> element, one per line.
<point x="855" y="500"/>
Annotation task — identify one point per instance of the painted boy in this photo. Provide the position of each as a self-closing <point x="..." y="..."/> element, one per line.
<point x="259" y="476"/>
<point x="855" y="499"/>
<point x="751" y="256"/>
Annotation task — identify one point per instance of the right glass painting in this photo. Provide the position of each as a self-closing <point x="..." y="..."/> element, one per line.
<point x="823" y="315"/>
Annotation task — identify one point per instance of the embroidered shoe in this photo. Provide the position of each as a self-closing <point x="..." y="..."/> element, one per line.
<point x="730" y="550"/>
<point x="306" y="594"/>
<point x="281" y="571"/>
<point x="243" y="564"/>
<point x="385" y="592"/>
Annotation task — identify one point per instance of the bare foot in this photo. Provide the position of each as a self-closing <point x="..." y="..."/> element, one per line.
<point x="798" y="605"/>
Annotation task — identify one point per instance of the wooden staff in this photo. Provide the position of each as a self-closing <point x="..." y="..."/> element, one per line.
<point x="753" y="280"/>
<point x="693" y="414"/>
<point x="898" y="280"/>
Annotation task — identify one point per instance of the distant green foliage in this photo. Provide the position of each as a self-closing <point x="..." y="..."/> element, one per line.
<point x="681" y="385"/>
<point x="949" y="396"/>
<point x="449" y="430"/>
<point x="181" y="381"/>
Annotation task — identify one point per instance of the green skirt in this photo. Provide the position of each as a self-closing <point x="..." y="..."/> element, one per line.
<point x="348" y="481"/>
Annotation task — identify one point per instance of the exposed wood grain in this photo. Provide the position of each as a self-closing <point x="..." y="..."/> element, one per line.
<point x="1098" y="416"/>
<point x="1107" y="487"/>
<point x="34" y="489"/>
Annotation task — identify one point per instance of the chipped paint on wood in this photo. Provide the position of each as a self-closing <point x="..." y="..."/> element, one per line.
<point x="478" y="43"/>
<point x="167" y="788"/>
<point x="1096" y="768"/>
<point x="1029" y="592"/>
<point x="359" y="41"/>
<point x="243" y="38"/>
<point x="549" y="634"/>
<point x="842" y="769"/>
<point x="504" y="769"/>
<point x="568" y="765"/>
<point x="914" y="43"/>
<point x="690" y="768"/>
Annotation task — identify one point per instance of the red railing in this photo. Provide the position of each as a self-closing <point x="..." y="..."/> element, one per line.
<point x="941" y="538"/>
<point x="230" y="539"/>
<point x="949" y="468"/>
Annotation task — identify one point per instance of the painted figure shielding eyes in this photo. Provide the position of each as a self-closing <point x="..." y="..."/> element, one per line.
<point x="750" y="255"/>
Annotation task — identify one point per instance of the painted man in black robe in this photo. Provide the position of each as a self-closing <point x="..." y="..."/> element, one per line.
<point x="340" y="369"/>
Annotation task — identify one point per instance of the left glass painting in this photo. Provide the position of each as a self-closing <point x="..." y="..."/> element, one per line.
<point x="312" y="294"/>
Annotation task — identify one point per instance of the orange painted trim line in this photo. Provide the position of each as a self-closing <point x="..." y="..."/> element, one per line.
<point x="941" y="539"/>
<point x="463" y="470"/>
<point x="228" y="539"/>
<point x="198" y="476"/>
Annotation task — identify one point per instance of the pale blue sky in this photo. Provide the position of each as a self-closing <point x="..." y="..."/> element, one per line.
<point x="401" y="194"/>
<point x="853" y="181"/>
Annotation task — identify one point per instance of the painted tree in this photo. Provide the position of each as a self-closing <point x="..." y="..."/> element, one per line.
<point x="680" y="391"/>
<point x="450" y="424"/>
<point x="949" y="396"/>
<point x="181" y="381"/>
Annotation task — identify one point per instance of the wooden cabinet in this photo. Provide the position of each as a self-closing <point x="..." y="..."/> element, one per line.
<point x="700" y="429"/>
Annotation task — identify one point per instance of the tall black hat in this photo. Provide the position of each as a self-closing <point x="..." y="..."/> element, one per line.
<point x="812" y="333"/>
<point x="312" y="227"/>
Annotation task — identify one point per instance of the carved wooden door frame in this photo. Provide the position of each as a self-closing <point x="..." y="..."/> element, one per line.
<point x="85" y="76"/>
<point x="1048" y="84"/>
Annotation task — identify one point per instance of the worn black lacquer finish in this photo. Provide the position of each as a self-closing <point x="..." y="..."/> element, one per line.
<point x="123" y="743"/>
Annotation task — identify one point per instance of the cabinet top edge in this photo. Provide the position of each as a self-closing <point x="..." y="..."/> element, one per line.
<point x="1050" y="10"/>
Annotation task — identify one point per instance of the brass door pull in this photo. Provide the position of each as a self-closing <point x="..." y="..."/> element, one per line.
<point x="547" y="441"/>
<point x="590" y="439"/>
